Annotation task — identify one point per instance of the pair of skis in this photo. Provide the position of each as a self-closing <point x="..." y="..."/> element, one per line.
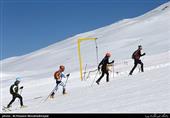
<point x="54" y="88"/>
<point x="6" y="109"/>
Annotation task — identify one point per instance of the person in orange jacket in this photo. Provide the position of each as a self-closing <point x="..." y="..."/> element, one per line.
<point x="58" y="75"/>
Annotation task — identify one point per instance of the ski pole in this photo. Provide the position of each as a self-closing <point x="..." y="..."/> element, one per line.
<point x="67" y="79"/>
<point x="20" y="94"/>
<point x="94" y="78"/>
<point x="139" y="68"/>
<point x="55" y="87"/>
<point x="49" y="94"/>
<point x="113" y="69"/>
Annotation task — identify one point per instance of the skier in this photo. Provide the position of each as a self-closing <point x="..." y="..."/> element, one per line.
<point x="104" y="67"/>
<point x="14" y="92"/>
<point x="58" y="75"/>
<point x="136" y="56"/>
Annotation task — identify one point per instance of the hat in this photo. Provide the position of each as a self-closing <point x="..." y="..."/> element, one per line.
<point x="108" y="54"/>
<point x="62" y="67"/>
<point x="139" y="46"/>
<point x="18" y="79"/>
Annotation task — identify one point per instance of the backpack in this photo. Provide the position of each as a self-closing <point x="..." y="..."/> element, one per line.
<point x="13" y="89"/>
<point x="134" y="54"/>
<point x="57" y="72"/>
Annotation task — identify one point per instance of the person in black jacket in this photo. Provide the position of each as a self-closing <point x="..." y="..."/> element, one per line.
<point x="14" y="92"/>
<point x="104" y="68"/>
<point x="136" y="56"/>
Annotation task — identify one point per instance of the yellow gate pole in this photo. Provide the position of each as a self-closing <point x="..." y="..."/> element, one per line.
<point x="79" y="54"/>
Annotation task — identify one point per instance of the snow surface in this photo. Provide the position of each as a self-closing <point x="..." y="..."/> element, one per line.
<point x="139" y="93"/>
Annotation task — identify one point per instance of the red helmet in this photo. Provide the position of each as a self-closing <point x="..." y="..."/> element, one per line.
<point x="62" y="67"/>
<point x="108" y="54"/>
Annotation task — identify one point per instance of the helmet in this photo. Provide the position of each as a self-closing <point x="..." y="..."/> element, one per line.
<point x="18" y="79"/>
<point x="62" y="67"/>
<point x="139" y="46"/>
<point x="108" y="54"/>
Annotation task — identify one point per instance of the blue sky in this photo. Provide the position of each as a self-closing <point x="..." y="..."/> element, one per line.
<point x="29" y="25"/>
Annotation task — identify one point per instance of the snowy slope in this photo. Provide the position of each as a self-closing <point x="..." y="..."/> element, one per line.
<point x="142" y="92"/>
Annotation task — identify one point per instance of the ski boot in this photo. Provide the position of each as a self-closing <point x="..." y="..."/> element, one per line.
<point x="97" y="82"/>
<point x="64" y="91"/>
<point x="52" y="95"/>
<point x="9" y="106"/>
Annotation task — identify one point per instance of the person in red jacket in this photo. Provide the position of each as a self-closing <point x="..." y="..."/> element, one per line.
<point x="58" y="75"/>
<point x="136" y="56"/>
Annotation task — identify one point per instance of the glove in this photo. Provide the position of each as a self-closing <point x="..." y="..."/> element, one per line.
<point x="68" y="75"/>
<point x="143" y="54"/>
<point x="113" y="61"/>
<point x="98" y="68"/>
<point x="21" y="87"/>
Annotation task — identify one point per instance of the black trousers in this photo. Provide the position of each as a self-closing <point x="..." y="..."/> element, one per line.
<point x="103" y="73"/>
<point x="14" y="96"/>
<point x="136" y="62"/>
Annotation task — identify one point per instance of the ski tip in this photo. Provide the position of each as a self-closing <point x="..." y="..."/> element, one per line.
<point x="5" y="109"/>
<point x="24" y="106"/>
